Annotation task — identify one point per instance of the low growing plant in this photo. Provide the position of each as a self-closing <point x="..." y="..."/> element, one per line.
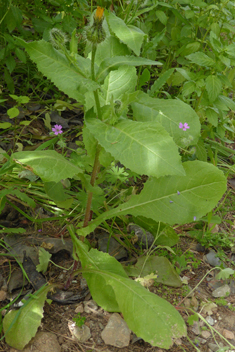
<point x="144" y="134"/>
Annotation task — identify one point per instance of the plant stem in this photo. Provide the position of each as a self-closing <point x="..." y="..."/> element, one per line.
<point x="95" y="170"/>
<point x="96" y="165"/>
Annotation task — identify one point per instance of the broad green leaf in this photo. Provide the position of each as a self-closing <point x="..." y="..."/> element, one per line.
<point x="230" y="49"/>
<point x="49" y="165"/>
<point x="99" y="261"/>
<point x="53" y="64"/>
<point x="55" y="191"/>
<point x="213" y="87"/>
<point x="190" y="48"/>
<point x="21" y="325"/>
<point x="201" y="59"/>
<point x="149" y="316"/>
<point x="173" y="199"/>
<point x="5" y="125"/>
<point x="169" y="113"/>
<point x="110" y="47"/>
<point x="144" y="147"/>
<point x="44" y="259"/>
<point x="188" y="88"/>
<point x="131" y="36"/>
<point x="161" y="16"/>
<point x="212" y="116"/>
<point x="199" y="192"/>
<point x="119" y="82"/>
<point x="142" y="310"/>
<point x="161" y="266"/>
<point x="114" y="63"/>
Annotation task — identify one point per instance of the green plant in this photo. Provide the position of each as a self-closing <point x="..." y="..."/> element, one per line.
<point x="144" y="134"/>
<point x="79" y="321"/>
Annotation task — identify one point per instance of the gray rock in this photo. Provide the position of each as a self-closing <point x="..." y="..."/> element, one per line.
<point x="212" y="258"/>
<point x="114" y="248"/>
<point x="144" y="238"/>
<point x="222" y="291"/>
<point x="90" y="306"/>
<point x="43" y="342"/>
<point x="116" y="333"/>
<point x="196" y="328"/>
<point x="81" y="334"/>
<point x="201" y="341"/>
<point x="210" y="320"/>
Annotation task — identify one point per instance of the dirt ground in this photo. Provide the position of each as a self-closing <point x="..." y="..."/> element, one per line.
<point x="58" y="317"/>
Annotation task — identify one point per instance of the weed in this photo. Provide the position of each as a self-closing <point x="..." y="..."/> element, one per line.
<point x="79" y="321"/>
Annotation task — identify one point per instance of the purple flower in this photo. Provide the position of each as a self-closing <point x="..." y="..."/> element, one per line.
<point x="57" y="129"/>
<point x="178" y="192"/>
<point x="184" y="126"/>
<point x="40" y="230"/>
<point x="171" y="201"/>
<point x="194" y="218"/>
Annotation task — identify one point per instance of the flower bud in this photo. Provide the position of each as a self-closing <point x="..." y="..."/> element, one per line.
<point x="58" y="38"/>
<point x="95" y="33"/>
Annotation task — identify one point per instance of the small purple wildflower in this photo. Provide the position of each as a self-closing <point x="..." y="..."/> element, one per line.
<point x="194" y="218"/>
<point x="57" y="129"/>
<point x="184" y="126"/>
<point x="178" y="192"/>
<point x="40" y="230"/>
<point x="171" y="201"/>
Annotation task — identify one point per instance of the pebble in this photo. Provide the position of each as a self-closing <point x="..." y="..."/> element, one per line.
<point x="43" y="342"/>
<point x="3" y="295"/>
<point x="79" y="308"/>
<point x="196" y="328"/>
<point x="90" y="306"/>
<point x="82" y="334"/>
<point x="210" y="320"/>
<point x="212" y="258"/>
<point x="202" y="341"/>
<point x="222" y="291"/>
<point x="206" y="334"/>
<point x="116" y="333"/>
<point x="228" y="334"/>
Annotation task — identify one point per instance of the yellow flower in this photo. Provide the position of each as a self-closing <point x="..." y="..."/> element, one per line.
<point x="99" y="13"/>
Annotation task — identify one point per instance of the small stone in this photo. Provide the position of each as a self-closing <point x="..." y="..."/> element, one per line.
<point x="43" y="342"/>
<point x="90" y="306"/>
<point x="201" y="341"/>
<point x="79" y="308"/>
<point x="205" y="334"/>
<point x="3" y="295"/>
<point x="82" y="334"/>
<point x="83" y="283"/>
<point x="222" y="291"/>
<point x="194" y="303"/>
<point x="212" y="258"/>
<point x="196" y="328"/>
<point x="187" y="303"/>
<point x="210" y="320"/>
<point x="228" y="334"/>
<point x="116" y="333"/>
